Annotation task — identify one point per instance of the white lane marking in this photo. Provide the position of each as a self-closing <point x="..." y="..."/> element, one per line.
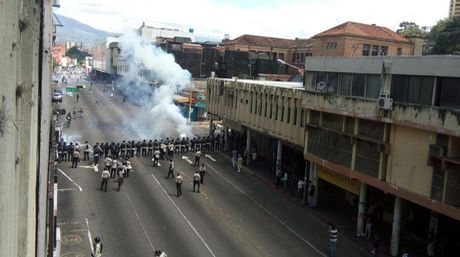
<point x="69" y="223"/>
<point x="89" y="236"/>
<point x="137" y="216"/>
<point x="85" y="167"/>
<point x="65" y="189"/>
<point x="183" y="216"/>
<point x="269" y="213"/>
<point x="187" y="159"/>
<point x="79" y="187"/>
<point x="210" y="157"/>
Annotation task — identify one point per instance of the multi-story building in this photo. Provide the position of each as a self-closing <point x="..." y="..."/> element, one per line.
<point x="358" y="39"/>
<point x="151" y="34"/>
<point x="25" y="118"/>
<point x="103" y="59"/>
<point x="380" y="134"/>
<point x="454" y="8"/>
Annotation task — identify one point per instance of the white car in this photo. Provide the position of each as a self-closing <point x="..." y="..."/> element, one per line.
<point x="57" y="97"/>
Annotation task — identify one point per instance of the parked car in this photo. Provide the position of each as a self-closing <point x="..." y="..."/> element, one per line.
<point x="57" y="97"/>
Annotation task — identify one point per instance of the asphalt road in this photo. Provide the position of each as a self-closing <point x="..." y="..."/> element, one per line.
<point x="235" y="214"/>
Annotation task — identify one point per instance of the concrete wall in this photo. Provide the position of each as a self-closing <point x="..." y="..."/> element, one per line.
<point x="408" y="161"/>
<point x="22" y="111"/>
<point x="241" y="91"/>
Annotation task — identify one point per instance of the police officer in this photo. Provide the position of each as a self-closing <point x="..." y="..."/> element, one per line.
<point x="150" y="147"/>
<point x="128" y="149"/>
<point x="123" y="149"/>
<point x="144" y="146"/>
<point x="138" y="148"/>
<point x="177" y="145"/>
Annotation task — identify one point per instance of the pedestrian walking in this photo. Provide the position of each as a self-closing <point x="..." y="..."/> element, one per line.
<point x="171" y="169"/>
<point x="75" y="158"/>
<point x="121" y="175"/>
<point x="240" y="162"/>
<point x="129" y="168"/>
<point x="78" y="97"/>
<point x="196" y="181"/>
<point x="368" y="229"/>
<point x="108" y="163"/>
<point x="113" y="171"/>
<point x="179" y="181"/>
<point x="105" y="179"/>
<point x="156" y="158"/>
<point x="234" y="157"/>
<point x="86" y="152"/>
<point x="333" y="233"/>
<point x="285" y="180"/>
<point x="202" y="170"/>
<point x="97" y="247"/>
<point x="300" y="186"/>
<point x="197" y="158"/>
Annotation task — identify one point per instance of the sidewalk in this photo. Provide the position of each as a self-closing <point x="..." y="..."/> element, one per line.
<point x="345" y="222"/>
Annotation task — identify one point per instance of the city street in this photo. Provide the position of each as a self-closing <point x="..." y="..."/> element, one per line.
<point x="235" y="214"/>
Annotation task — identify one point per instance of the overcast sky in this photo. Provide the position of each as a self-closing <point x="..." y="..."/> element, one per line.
<point x="278" y="18"/>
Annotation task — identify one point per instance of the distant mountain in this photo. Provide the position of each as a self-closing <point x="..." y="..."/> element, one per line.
<point x="74" y="30"/>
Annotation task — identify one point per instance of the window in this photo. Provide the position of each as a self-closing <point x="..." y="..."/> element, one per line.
<point x="282" y="109"/>
<point x="289" y="110"/>
<point x="375" y="50"/>
<point x="276" y="107"/>
<point x="332" y="82"/>
<point x="358" y="85"/>
<point x="412" y="89"/>
<point x="373" y="86"/>
<point x="295" y="113"/>
<point x="448" y="93"/>
<point x="399" y="51"/>
<point x="384" y="50"/>
<point x="345" y="85"/>
<point x="331" y="45"/>
<point x="271" y="106"/>
<point x="252" y="98"/>
<point x="366" y="50"/>
<point x="302" y="117"/>
<point x="260" y="104"/>
<point x="266" y="105"/>
<point x="255" y="103"/>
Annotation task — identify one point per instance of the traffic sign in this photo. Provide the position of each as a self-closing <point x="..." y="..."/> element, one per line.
<point x="72" y="89"/>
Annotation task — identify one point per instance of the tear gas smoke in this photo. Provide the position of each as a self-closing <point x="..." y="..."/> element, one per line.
<point x="150" y="79"/>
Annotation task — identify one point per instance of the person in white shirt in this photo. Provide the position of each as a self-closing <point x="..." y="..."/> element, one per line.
<point x="196" y="181"/>
<point x="97" y="246"/>
<point x="113" y="171"/>
<point x="108" y="162"/>
<point x="197" y="158"/>
<point x="121" y="175"/>
<point x="156" y="157"/>
<point x="105" y="179"/>
<point x="202" y="173"/>
<point x="129" y="168"/>
<point x="240" y="162"/>
<point x="300" y="186"/>
<point x="179" y="181"/>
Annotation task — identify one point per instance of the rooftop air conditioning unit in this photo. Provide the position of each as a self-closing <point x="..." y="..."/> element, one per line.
<point x="437" y="150"/>
<point x="385" y="101"/>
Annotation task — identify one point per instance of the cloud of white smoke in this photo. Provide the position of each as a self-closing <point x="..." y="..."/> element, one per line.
<point x="144" y="63"/>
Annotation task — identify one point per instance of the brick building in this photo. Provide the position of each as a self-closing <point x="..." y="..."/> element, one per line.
<point x="358" y="39"/>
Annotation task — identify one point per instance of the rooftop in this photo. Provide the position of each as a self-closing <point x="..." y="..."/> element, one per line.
<point x="283" y="84"/>
<point x="268" y="41"/>
<point x="363" y="30"/>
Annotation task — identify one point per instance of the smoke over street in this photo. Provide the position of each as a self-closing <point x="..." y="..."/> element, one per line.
<point x="159" y="116"/>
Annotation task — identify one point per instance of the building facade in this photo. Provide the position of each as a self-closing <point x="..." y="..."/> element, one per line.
<point x="454" y="8"/>
<point x="375" y="134"/>
<point x="358" y="39"/>
<point x="151" y="34"/>
<point x="25" y="113"/>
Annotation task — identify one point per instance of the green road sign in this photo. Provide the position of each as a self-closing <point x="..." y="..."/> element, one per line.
<point x="72" y="89"/>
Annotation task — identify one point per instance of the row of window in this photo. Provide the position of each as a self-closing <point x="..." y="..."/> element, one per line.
<point x="347" y="84"/>
<point x="331" y="45"/>
<point x="299" y="58"/>
<point x="375" y="50"/>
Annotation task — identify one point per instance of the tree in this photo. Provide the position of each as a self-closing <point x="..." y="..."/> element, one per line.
<point x="74" y="53"/>
<point x="446" y="36"/>
<point x="410" y="29"/>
